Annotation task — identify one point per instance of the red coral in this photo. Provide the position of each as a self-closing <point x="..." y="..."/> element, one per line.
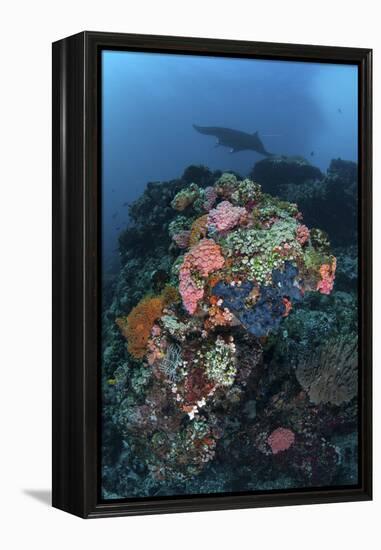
<point x="280" y="440"/>
<point x="202" y="259"/>
<point x="196" y="387"/>
<point x="327" y="274"/>
<point x="226" y="216"/>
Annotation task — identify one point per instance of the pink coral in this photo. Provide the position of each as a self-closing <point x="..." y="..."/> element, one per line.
<point x="210" y="198"/>
<point x="202" y="259"/>
<point x="225" y="216"/>
<point x="280" y="440"/>
<point x="190" y="294"/>
<point x="327" y="274"/>
<point x="302" y="234"/>
<point x="182" y="239"/>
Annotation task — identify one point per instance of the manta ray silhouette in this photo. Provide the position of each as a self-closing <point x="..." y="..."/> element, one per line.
<point x="235" y="139"/>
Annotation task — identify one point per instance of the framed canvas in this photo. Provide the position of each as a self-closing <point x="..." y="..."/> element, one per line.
<point x="211" y="274"/>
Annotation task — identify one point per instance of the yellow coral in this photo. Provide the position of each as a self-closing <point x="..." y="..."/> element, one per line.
<point x="170" y="295"/>
<point x="198" y="230"/>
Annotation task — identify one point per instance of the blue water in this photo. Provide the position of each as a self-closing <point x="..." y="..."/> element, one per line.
<point x="150" y="101"/>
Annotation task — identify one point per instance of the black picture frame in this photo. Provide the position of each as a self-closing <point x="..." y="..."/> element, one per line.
<point x="76" y="271"/>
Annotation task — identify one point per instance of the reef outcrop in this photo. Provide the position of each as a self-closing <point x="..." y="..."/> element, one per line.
<point x="223" y="332"/>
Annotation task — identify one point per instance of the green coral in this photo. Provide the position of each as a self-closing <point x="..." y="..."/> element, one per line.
<point x="220" y="363"/>
<point x="272" y="207"/>
<point x="226" y="184"/>
<point x="174" y="271"/>
<point x="189" y="450"/>
<point x="319" y="240"/>
<point x="140" y="379"/>
<point x="246" y="191"/>
<point x="186" y="197"/>
<point x="227" y="179"/>
<point x="121" y="374"/>
<point x="178" y="224"/>
<point x="256" y="252"/>
<point x="313" y="258"/>
<point x="176" y="328"/>
<point x="199" y="203"/>
<point x="317" y="319"/>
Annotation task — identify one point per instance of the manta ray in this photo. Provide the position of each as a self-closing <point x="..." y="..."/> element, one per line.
<point x="235" y="139"/>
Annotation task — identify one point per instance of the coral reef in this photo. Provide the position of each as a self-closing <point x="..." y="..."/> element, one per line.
<point x="224" y="364"/>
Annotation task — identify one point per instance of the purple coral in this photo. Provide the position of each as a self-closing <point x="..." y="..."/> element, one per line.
<point x="210" y="198"/>
<point x="182" y="239"/>
<point x="225" y="216"/>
